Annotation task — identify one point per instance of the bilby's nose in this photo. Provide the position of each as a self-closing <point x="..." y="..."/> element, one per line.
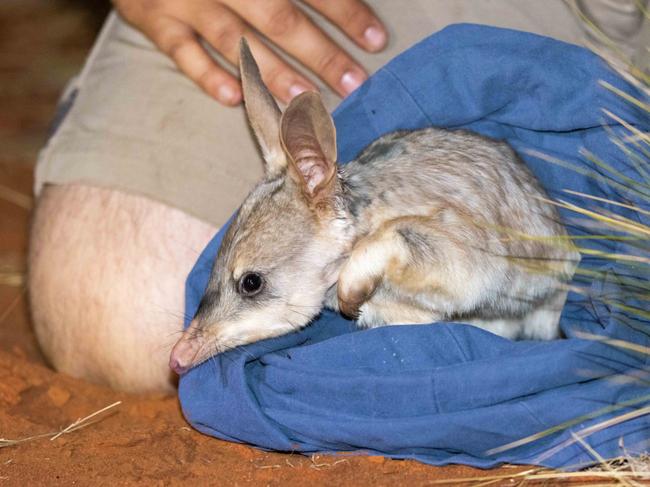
<point x="183" y="355"/>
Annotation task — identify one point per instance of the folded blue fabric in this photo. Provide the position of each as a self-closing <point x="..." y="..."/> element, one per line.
<point x="450" y="393"/>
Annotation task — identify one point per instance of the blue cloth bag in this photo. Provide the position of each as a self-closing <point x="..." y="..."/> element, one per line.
<point x="451" y="393"/>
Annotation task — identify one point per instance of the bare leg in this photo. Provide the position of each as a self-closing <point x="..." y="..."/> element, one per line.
<point x="106" y="281"/>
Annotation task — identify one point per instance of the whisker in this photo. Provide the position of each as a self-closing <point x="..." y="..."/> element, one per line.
<point x="174" y="334"/>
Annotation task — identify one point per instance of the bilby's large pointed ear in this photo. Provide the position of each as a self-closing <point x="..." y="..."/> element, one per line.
<point x="263" y="113"/>
<point x="309" y="139"/>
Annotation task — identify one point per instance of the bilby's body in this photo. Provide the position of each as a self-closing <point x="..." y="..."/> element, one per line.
<point x="423" y="226"/>
<point x="440" y="220"/>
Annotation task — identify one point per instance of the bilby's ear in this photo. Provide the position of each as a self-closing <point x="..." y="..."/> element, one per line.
<point x="309" y="139"/>
<point x="263" y="113"/>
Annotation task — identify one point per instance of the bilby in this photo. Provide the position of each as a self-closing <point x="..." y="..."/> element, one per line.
<point x="422" y="226"/>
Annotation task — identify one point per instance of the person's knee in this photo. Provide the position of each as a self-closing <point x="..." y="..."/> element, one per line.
<point x="106" y="276"/>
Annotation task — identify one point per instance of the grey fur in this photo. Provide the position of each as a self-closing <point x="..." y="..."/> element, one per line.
<point x="441" y="175"/>
<point x="423" y="226"/>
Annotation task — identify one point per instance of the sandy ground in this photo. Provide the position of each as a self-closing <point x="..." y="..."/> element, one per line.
<point x="144" y="439"/>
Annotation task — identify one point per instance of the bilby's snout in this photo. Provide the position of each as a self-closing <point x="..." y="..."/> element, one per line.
<point x="184" y="354"/>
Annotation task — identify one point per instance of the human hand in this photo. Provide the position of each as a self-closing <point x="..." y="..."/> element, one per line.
<point x="176" y="27"/>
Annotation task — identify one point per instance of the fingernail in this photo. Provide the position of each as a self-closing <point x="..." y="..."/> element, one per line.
<point x="375" y="36"/>
<point x="351" y="80"/>
<point x="227" y="94"/>
<point x="296" y="89"/>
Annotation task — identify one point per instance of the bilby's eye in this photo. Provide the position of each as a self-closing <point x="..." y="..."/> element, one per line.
<point x="250" y="284"/>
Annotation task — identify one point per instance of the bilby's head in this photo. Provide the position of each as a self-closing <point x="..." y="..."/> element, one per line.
<point x="279" y="256"/>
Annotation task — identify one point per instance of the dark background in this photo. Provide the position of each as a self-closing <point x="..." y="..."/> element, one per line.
<point x="42" y="45"/>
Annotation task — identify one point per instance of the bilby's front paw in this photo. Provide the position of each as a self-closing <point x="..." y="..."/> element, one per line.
<point x="352" y="293"/>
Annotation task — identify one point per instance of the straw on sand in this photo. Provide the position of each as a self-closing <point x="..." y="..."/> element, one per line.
<point x="78" y="424"/>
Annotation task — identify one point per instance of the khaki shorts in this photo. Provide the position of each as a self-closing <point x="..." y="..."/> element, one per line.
<point x="131" y="121"/>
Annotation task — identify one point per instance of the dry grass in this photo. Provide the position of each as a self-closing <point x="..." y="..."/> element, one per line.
<point x="633" y="286"/>
<point x="16" y="197"/>
<point x="77" y="425"/>
<point x="619" y="471"/>
<point x="12" y="279"/>
<point x="629" y="470"/>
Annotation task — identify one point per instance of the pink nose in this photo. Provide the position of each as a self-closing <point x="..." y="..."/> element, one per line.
<point x="183" y="355"/>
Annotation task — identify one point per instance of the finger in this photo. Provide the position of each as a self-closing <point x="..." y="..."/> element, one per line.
<point x="180" y="43"/>
<point x="223" y="29"/>
<point x="288" y="27"/>
<point x="356" y="20"/>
